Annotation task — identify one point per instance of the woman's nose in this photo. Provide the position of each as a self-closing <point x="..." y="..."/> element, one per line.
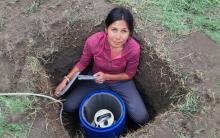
<point x="118" y="35"/>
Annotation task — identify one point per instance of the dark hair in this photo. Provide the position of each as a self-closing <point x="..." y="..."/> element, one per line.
<point x="120" y="13"/>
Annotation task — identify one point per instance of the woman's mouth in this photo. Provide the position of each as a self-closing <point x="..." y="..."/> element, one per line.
<point x="117" y="43"/>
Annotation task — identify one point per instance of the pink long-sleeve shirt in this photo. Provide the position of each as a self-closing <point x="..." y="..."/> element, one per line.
<point x="97" y="47"/>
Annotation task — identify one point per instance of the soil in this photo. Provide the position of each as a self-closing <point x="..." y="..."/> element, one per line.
<point x="39" y="46"/>
<point x="197" y="58"/>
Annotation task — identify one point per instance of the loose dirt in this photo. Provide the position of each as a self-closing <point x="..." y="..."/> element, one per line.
<point x="38" y="46"/>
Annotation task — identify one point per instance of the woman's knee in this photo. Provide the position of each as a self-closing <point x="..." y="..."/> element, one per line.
<point x="143" y="118"/>
<point x="140" y="117"/>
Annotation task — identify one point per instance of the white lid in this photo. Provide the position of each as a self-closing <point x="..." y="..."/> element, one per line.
<point x="103" y="118"/>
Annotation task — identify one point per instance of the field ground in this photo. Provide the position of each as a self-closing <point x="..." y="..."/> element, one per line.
<point x="178" y="78"/>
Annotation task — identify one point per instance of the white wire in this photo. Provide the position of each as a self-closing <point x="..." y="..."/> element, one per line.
<point x="39" y="95"/>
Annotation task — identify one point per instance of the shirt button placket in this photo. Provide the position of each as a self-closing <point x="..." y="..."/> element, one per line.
<point x="110" y="64"/>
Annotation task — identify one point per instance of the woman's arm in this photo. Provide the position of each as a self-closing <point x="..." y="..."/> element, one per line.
<point x="73" y="71"/>
<point x="101" y="77"/>
<point x="120" y="76"/>
<point x="66" y="79"/>
<point x="82" y="64"/>
<point x="79" y="67"/>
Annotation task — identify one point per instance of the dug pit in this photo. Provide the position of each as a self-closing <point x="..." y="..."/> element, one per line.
<point x="158" y="86"/>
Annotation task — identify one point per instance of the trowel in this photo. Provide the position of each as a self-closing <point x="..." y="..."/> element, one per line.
<point x="80" y="77"/>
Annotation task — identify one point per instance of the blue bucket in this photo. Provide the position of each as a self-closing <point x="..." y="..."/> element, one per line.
<point x="95" y="101"/>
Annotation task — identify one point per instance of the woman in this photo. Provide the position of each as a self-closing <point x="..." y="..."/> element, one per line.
<point x="116" y="57"/>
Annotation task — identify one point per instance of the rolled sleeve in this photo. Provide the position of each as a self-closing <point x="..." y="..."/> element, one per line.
<point x="132" y="63"/>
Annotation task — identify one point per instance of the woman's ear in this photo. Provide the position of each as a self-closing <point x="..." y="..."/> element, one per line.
<point x="105" y="29"/>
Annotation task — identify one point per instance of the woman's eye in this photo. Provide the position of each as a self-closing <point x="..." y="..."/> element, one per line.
<point x="114" y="30"/>
<point x="124" y="31"/>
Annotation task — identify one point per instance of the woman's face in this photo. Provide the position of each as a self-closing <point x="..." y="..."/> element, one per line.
<point x="118" y="34"/>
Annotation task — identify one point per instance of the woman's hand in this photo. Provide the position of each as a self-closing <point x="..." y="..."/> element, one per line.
<point x="60" y="87"/>
<point x="100" y="77"/>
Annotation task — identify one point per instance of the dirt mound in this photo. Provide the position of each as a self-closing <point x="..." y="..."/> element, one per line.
<point x="31" y="33"/>
<point x="41" y="40"/>
<point x="196" y="58"/>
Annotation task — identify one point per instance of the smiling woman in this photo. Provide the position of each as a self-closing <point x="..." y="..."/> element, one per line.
<point x="116" y="57"/>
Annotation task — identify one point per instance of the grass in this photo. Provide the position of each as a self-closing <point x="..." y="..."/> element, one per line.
<point x="12" y="106"/>
<point x="179" y="16"/>
<point x="2" y="23"/>
<point x="180" y="134"/>
<point x="12" y="2"/>
<point x="70" y="20"/>
<point x="31" y="8"/>
<point x="57" y="3"/>
<point x="190" y="105"/>
<point x="33" y="64"/>
<point x="215" y="133"/>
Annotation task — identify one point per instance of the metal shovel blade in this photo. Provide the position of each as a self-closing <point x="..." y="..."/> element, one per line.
<point x="86" y="77"/>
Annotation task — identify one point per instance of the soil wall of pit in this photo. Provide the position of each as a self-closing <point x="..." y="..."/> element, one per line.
<point x="39" y="49"/>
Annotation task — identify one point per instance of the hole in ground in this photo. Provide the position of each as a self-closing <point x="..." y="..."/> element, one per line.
<point x="158" y="86"/>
